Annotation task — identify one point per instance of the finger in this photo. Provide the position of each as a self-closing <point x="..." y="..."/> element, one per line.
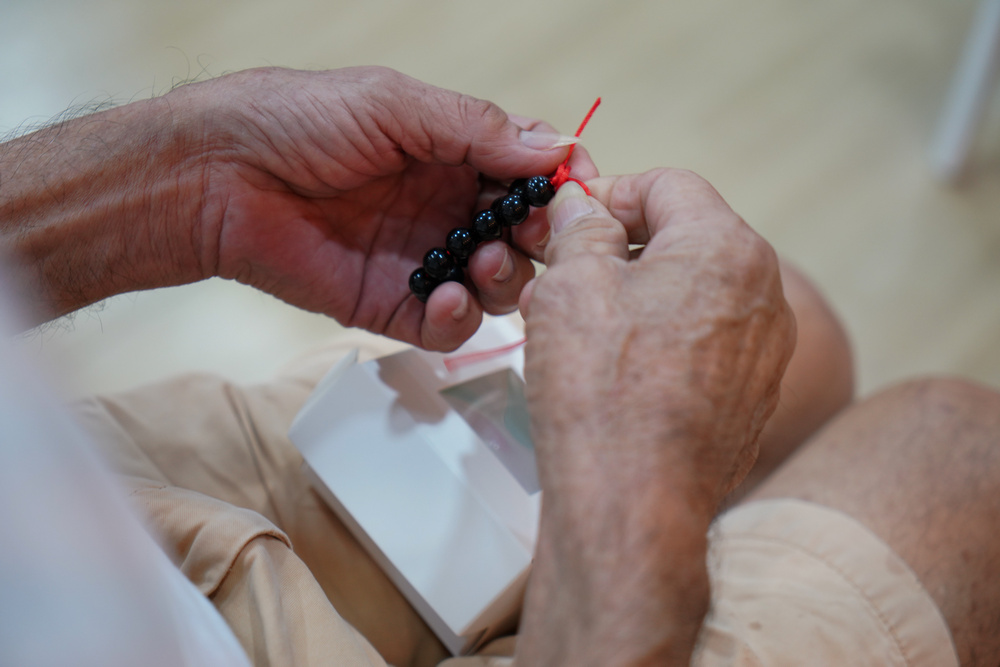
<point x="580" y="162"/>
<point x="526" y="123"/>
<point x="438" y="125"/>
<point x="581" y="225"/>
<point x="451" y="316"/>
<point x="681" y="218"/>
<point x="535" y="125"/>
<point x="541" y="135"/>
<point x="499" y="273"/>
<point x="582" y="165"/>
<point x="524" y="302"/>
<point x="533" y="234"/>
<point x="649" y="203"/>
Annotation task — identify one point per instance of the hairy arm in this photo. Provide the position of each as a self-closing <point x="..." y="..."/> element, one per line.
<point x="619" y="576"/>
<point x="92" y="207"/>
<point x="322" y="188"/>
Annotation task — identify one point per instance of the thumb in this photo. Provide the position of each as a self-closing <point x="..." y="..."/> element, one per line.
<point x="439" y="125"/>
<point x="582" y="226"/>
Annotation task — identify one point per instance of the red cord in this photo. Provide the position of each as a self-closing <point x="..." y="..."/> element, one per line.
<point x="562" y="171"/>
<point x="451" y="363"/>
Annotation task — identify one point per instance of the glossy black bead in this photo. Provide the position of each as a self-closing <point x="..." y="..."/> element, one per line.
<point x="512" y="209"/>
<point x="422" y="284"/>
<point x="437" y="263"/>
<point x="518" y="187"/>
<point x="538" y="190"/>
<point x="454" y="273"/>
<point x="461" y="244"/>
<point x="486" y="226"/>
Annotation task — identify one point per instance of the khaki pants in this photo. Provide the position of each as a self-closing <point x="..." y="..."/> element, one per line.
<point x="211" y="470"/>
<point x="209" y="467"/>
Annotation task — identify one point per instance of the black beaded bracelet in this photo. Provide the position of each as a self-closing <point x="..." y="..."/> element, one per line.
<point x="444" y="264"/>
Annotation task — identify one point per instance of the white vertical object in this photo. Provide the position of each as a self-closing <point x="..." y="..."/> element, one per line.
<point x="971" y="91"/>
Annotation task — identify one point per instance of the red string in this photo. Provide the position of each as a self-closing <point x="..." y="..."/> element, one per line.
<point x="562" y="171"/>
<point x="451" y="363"/>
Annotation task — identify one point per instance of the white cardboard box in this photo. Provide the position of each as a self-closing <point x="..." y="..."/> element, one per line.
<point x="434" y="472"/>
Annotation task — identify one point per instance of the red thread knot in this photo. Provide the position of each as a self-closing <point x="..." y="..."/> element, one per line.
<point x="561" y="175"/>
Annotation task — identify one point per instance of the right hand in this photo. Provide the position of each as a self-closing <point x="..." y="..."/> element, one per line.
<point x="673" y="358"/>
<point x="648" y="382"/>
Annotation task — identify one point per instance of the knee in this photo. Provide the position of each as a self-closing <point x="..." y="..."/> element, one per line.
<point x="934" y="433"/>
<point x="822" y="368"/>
<point x="948" y="403"/>
<point x="819" y="380"/>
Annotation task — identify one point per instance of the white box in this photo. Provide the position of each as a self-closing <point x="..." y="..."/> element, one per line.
<point x="434" y="472"/>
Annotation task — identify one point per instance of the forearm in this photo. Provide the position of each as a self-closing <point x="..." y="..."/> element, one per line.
<point x="619" y="576"/>
<point x="101" y="205"/>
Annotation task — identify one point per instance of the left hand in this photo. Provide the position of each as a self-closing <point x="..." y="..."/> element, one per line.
<point x="322" y="188"/>
<point x="326" y="189"/>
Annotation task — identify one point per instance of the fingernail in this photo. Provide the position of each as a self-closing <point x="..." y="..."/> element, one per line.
<point x="544" y="242"/>
<point x="506" y="270"/>
<point x="545" y="141"/>
<point x="462" y="309"/>
<point x="571" y="204"/>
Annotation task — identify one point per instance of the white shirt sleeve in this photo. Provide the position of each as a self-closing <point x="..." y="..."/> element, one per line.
<point x="81" y="581"/>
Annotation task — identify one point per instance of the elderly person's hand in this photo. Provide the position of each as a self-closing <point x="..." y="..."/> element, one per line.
<point x="323" y="188"/>
<point x="327" y="189"/>
<point x="649" y="379"/>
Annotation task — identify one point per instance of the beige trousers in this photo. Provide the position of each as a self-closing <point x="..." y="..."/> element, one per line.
<point x="210" y="469"/>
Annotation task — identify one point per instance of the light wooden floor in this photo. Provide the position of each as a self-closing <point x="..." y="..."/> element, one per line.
<point x="812" y="118"/>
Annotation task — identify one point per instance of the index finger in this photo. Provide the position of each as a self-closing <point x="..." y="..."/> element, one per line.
<point x="650" y="203"/>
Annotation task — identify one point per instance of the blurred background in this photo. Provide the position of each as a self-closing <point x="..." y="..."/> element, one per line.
<point x="812" y="118"/>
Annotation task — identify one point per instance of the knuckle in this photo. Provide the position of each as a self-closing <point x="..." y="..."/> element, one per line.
<point x="473" y="111"/>
<point x="759" y="253"/>
<point x="599" y="230"/>
<point x="381" y="77"/>
<point x="748" y="270"/>
<point x="680" y="179"/>
<point x="746" y="252"/>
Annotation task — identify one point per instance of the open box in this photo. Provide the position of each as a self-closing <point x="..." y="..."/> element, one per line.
<point x="433" y="470"/>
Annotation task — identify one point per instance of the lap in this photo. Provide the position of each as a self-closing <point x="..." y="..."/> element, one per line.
<point x="796" y="583"/>
<point x="209" y="467"/>
<point x="204" y="436"/>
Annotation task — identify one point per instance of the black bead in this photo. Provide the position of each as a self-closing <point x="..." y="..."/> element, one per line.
<point x="444" y="264"/>
<point x="517" y="187"/>
<point x="461" y="244"/>
<point x="512" y="209"/>
<point x="486" y="226"/>
<point x="455" y="274"/>
<point x="538" y="191"/>
<point x="437" y="263"/>
<point x="422" y="284"/>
